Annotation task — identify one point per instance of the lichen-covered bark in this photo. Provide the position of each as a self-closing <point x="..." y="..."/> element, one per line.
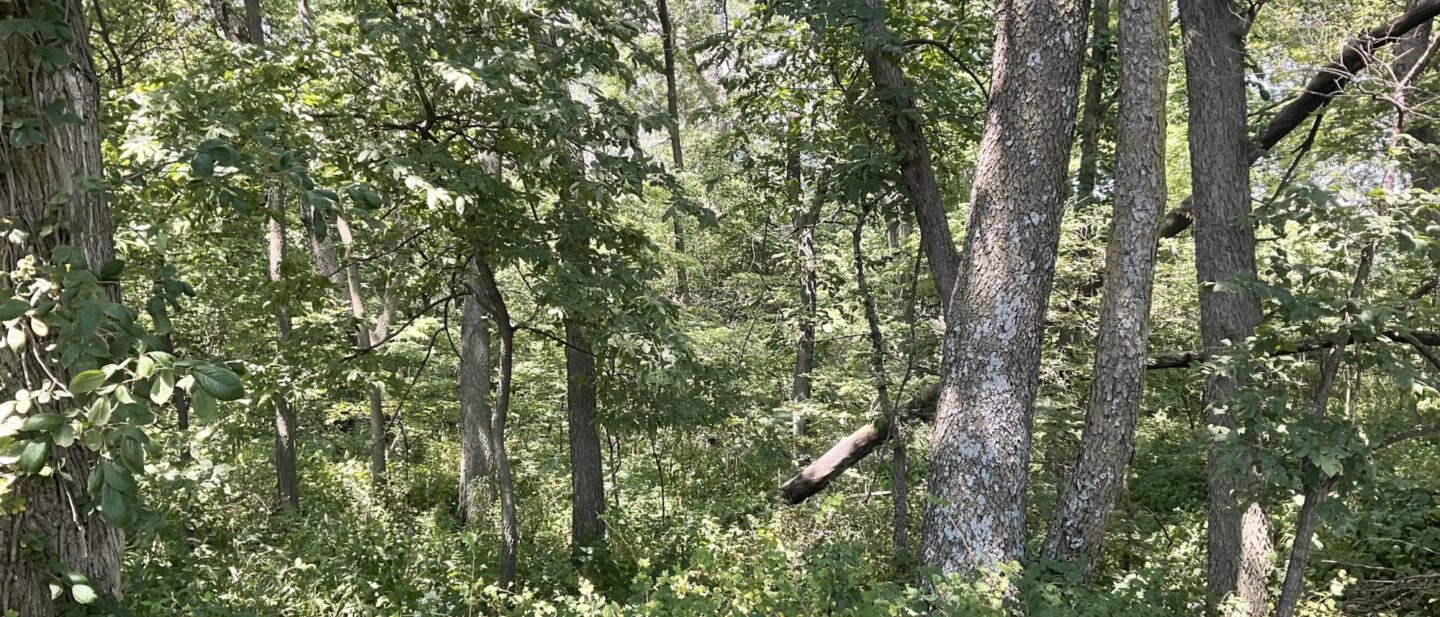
<point x="990" y="363"/>
<point x="1214" y="39"/>
<point x="476" y="458"/>
<point x="1077" y="530"/>
<point x="587" y="477"/>
<point x="36" y="176"/>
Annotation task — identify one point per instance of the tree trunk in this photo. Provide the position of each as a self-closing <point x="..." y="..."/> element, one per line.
<point x="804" y="223"/>
<point x="322" y="254"/>
<point x="287" y="483"/>
<point x="477" y="467"/>
<point x="587" y="476"/>
<point x="1094" y="94"/>
<point x="1077" y="530"/>
<point x="38" y="175"/>
<point x="677" y="155"/>
<point x="1214" y="38"/>
<point x="899" y="516"/>
<point x="509" y="525"/>
<point x="990" y="366"/>
<point x="916" y="169"/>
<point x="363" y="338"/>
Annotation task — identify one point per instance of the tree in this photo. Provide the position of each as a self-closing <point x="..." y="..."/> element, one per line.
<point x="677" y="153"/>
<point x="51" y="177"/>
<point x="587" y="476"/>
<point x="1238" y="550"/>
<point x="1077" y="528"/>
<point x="477" y="458"/>
<point x="979" y="467"/>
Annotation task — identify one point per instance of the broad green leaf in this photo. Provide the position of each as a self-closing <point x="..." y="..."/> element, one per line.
<point x="13" y="308"/>
<point x="44" y="422"/>
<point x="32" y="458"/>
<point x="204" y="405"/>
<point x="218" y="381"/>
<point x="86" y="382"/>
<point x="84" y="594"/>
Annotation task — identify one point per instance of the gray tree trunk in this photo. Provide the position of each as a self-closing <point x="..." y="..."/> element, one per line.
<point x="36" y="175"/>
<point x="477" y="467"/>
<point x="804" y="221"/>
<point x="916" y="169"/>
<point x="364" y="337"/>
<point x="287" y="483"/>
<point x="1077" y="530"/>
<point x="587" y="475"/>
<point x="1214" y="39"/>
<point x="990" y="365"/>
<point x="509" y="524"/>
<point x="677" y="154"/>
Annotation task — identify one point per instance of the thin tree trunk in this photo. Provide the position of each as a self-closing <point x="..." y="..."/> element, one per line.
<point x="804" y="223"/>
<point x="509" y="525"/>
<point x="677" y="155"/>
<point x="1094" y="94"/>
<point x="477" y="467"/>
<point x="916" y="169"/>
<point x="587" y="475"/>
<point x="36" y="178"/>
<point x="322" y="254"/>
<point x="990" y="366"/>
<point x="1077" y="530"/>
<point x="900" y="539"/>
<point x="287" y="483"/>
<point x="1214" y="38"/>
<point x="363" y="340"/>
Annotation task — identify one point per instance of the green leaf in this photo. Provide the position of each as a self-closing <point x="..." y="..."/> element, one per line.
<point x="13" y="308"/>
<point x="204" y="405"/>
<point x="99" y="413"/>
<point x="113" y="507"/>
<point x="84" y="594"/>
<point x="65" y="437"/>
<point x="144" y="367"/>
<point x="163" y="387"/>
<point x="32" y="459"/>
<point x="87" y="381"/>
<point x="218" y="381"/>
<point x="203" y="165"/>
<point x="44" y="422"/>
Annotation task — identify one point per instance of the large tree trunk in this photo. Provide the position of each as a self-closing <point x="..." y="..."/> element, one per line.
<point x="677" y="154"/>
<point x="38" y="176"/>
<point x="477" y="467"/>
<point x="916" y="169"/>
<point x="1093" y="108"/>
<point x="363" y="338"/>
<point x="509" y="524"/>
<point x="1214" y="37"/>
<point x="587" y="476"/>
<point x="1077" y="530"/>
<point x="990" y="366"/>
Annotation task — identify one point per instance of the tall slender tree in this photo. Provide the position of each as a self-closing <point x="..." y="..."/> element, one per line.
<point x="477" y="464"/>
<point x="677" y="153"/>
<point x="1077" y="529"/>
<point x="587" y="476"/>
<point x="1214" y="37"/>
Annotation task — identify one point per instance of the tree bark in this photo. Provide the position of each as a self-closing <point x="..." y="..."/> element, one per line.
<point x="1077" y="530"/>
<point x="587" y="475"/>
<point x="477" y="467"/>
<point x="1327" y="82"/>
<point x="509" y="525"/>
<point x="37" y="175"/>
<point x="1094" y="93"/>
<point x="1214" y="39"/>
<point x="363" y="338"/>
<point x="990" y="364"/>
<point x="916" y="169"/>
<point x="677" y="154"/>
<point x="287" y="483"/>
<point x="804" y="222"/>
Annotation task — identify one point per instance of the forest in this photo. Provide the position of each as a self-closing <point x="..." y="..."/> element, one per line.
<point x="719" y="307"/>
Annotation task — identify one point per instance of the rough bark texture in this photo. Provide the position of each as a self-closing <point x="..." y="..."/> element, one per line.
<point x="843" y="455"/>
<point x="981" y="450"/>
<point x="1092" y="108"/>
<point x="587" y="475"/>
<point x="677" y="154"/>
<point x="1327" y="82"/>
<point x="363" y="338"/>
<point x="36" y="174"/>
<point x="322" y="254"/>
<point x="477" y="467"/>
<point x="916" y="169"/>
<point x="1077" y="530"/>
<point x="805" y="221"/>
<point x="1214" y="39"/>
<point x="509" y="524"/>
